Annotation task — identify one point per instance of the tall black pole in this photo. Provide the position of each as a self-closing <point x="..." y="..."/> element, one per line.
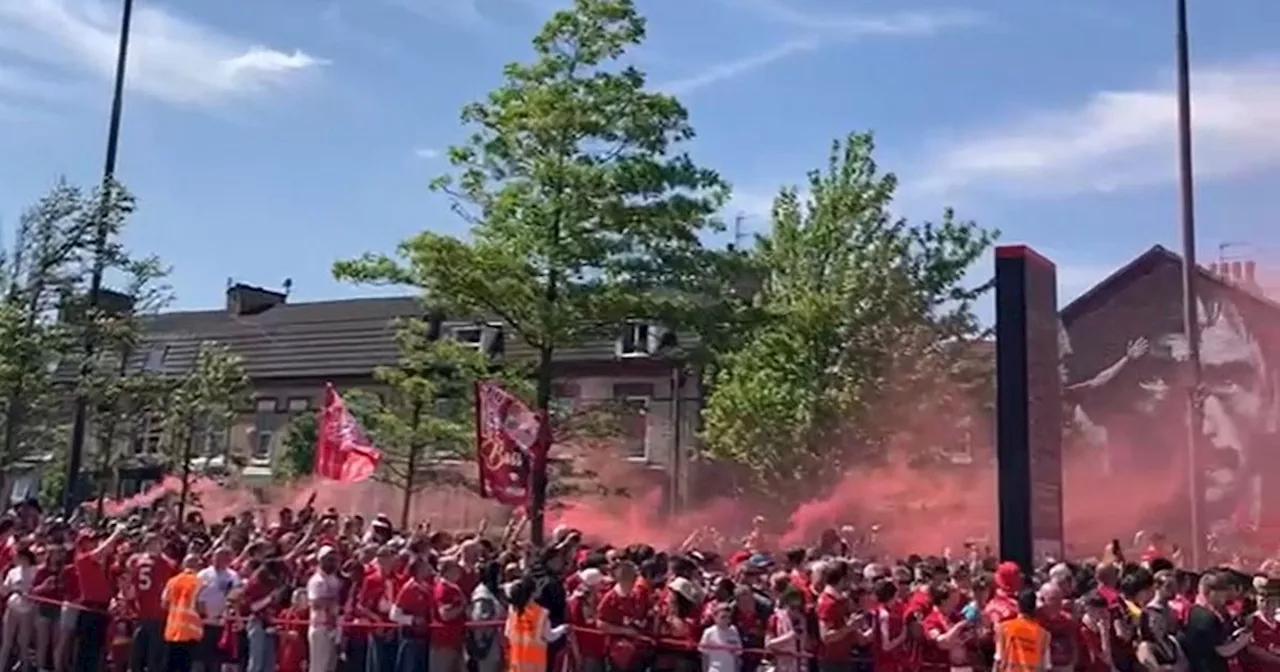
<point x="1190" y="311"/>
<point x="79" y="423"/>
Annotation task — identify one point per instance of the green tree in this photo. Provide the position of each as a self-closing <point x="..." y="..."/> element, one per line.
<point x="583" y="211"/>
<point x="51" y="241"/>
<point x="201" y="402"/>
<point x="868" y="327"/>
<point x="298" y="448"/>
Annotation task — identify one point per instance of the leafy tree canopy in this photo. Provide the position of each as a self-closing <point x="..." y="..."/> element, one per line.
<point x="867" y="321"/>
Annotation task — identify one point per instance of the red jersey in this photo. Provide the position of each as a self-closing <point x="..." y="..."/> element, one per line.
<point x="1266" y="635"/>
<point x="417" y="599"/>
<point x="147" y="575"/>
<point x="453" y="631"/>
<point x="629" y="610"/>
<point x="95" y="583"/>
<point x="291" y="647"/>
<point x="376" y="594"/>
<point x="1000" y="608"/>
<point x="1092" y="658"/>
<point x="582" y="615"/>
<point x="937" y="623"/>
<point x="834" y="614"/>
<point x="891" y="623"/>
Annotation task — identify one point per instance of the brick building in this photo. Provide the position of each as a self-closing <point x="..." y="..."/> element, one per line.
<point x="290" y="350"/>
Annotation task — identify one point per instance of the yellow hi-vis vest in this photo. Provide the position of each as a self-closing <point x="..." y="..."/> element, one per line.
<point x="182" y="622"/>
<point x="526" y="646"/>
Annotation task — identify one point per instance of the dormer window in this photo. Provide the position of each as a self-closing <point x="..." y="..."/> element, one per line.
<point x="634" y="341"/>
<point x="470" y="335"/>
<point x="642" y="339"/>
<point x="487" y="338"/>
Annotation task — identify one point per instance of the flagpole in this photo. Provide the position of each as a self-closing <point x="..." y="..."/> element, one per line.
<point x="80" y="415"/>
<point x="1190" y="312"/>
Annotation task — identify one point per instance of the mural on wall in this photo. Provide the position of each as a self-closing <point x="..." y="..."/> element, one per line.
<point x="1131" y="412"/>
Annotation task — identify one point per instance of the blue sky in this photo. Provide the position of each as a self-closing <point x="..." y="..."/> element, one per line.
<point x="266" y="140"/>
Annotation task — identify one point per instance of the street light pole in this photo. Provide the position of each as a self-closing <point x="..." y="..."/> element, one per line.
<point x="1190" y="311"/>
<point x="79" y="423"/>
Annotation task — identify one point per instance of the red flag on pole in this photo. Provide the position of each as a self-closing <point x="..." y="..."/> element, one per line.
<point x="343" y="450"/>
<point x="510" y="444"/>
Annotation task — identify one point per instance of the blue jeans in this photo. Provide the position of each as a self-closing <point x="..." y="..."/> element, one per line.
<point x="412" y="656"/>
<point x="384" y="649"/>
<point x="262" y="647"/>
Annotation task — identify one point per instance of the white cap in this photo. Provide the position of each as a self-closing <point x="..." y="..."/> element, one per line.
<point x="591" y="577"/>
<point x="324" y="552"/>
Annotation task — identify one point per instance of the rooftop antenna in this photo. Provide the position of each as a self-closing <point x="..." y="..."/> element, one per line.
<point x="288" y="286"/>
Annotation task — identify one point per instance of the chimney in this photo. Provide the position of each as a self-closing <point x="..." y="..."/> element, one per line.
<point x="1251" y="272"/>
<point x="1237" y="272"/>
<point x="245" y="299"/>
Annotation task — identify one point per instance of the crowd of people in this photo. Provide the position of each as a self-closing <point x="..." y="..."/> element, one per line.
<point x="312" y="590"/>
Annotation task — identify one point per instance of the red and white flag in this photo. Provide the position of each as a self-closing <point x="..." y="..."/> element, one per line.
<point x="511" y="442"/>
<point x="344" y="451"/>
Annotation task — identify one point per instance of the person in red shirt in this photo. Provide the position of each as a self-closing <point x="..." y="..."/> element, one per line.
<point x="587" y="644"/>
<point x="892" y="631"/>
<point x="291" y="649"/>
<point x="96" y="590"/>
<point x="1003" y="604"/>
<point x="1264" y="654"/>
<point x="837" y="629"/>
<point x="451" y="618"/>
<point x="1096" y="635"/>
<point x="259" y="599"/>
<point x="679" y="626"/>
<point x="1060" y="625"/>
<point x="948" y="639"/>
<point x="48" y="592"/>
<point x="147" y="573"/>
<point x="414" y="609"/>
<point x="374" y="598"/>
<point x="621" y="616"/>
<point x="786" y="637"/>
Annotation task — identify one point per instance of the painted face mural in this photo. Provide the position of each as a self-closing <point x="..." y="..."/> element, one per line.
<point x="1130" y="411"/>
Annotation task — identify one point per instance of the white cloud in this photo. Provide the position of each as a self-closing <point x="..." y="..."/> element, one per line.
<point x="1126" y="138"/>
<point x="170" y="58"/>
<point x="426" y="153"/>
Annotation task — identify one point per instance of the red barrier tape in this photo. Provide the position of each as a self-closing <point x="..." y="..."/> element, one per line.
<point x="363" y="627"/>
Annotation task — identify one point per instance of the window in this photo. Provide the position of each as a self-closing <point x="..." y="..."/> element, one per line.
<point x="264" y="405"/>
<point x="634" y="341"/>
<point x="635" y="427"/>
<point x="156" y="357"/>
<point x="564" y="398"/>
<point x="147" y="440"/>
<point x="299" y="404"/>
<point x="215" y="441"/>
<point x="470" y="335"/>
<point x="262" y="445"/>
<point x="633" y="401"/>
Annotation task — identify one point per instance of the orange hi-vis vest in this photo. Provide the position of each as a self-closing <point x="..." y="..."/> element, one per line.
<point x="182" y="622"/>
<point x="1022" y="644"/>
<point x="526" y="646"/>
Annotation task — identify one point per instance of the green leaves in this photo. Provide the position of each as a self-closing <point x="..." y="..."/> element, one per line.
<point x="859" y="307"/>
<point x="569" y="179"/>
